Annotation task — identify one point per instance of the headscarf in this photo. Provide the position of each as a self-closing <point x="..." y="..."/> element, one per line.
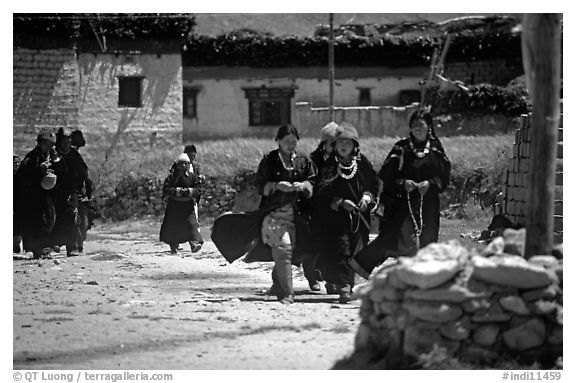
<point x="328" y="131"/>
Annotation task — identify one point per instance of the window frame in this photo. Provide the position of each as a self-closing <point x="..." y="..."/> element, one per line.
<point x="123" y="82"/>
<point x="265" y="101"/>
<point x="362" y="91"/>
<point x="190" y="92"/>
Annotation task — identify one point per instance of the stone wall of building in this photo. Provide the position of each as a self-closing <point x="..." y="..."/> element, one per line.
<point x="497" y="72"/>
<point x="101" y="116"/>
<point x="480" y="308"/>
<point x="45" y="90"/>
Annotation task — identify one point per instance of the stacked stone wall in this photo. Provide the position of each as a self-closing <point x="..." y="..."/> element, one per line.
<point x="45" y="89"/>
<point x="480" y="308"/>
<point x="497" y="72"/>
<point x="516" y="183"/>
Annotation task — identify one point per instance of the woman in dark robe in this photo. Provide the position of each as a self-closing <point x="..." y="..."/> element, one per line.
<point x="34" y="180"/>
<point x="180" y="223"/>
<point x="319" y="157"/>
<point x="417" y="167"/>
<point x="284" y="179"/>
<point x="72" y="180"/>
<point x="279" y="230"/>
<point x="347" y="186"/>
<point x="86" y="207"/>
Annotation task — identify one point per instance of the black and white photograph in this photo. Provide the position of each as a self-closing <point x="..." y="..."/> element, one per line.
<point x="286" y="191"/>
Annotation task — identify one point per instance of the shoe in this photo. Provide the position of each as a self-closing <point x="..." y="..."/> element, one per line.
<point x="173" y="249"/>
<point x="314" y="286"/>
<point x="195" y="246"/>
<point x="287" y="300"/>
<point x="56" y="249"/>
<point x="276" y="291"/>
<point x="41" y="254"/>
<point x="345" y="297"/>
<point x="331" y="289"/>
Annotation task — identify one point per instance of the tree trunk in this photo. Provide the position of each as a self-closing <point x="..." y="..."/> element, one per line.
<point x="541" y="51"/>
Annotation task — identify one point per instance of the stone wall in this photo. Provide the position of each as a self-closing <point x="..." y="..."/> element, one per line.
<point x="371" y="121"/>
<point x="497" y="72"/>
<point x="161" y="109"/>
<point x="516" y="178"/>
<point x="480" y="308"/>
<point x="45" y="89"/>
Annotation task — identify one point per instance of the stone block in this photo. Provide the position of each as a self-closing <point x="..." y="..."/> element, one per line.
<point x="479" y="355"/>
<point x="386" y="293"/>
<point x="486" y="335"/>
<point x="433" y="312"/>
<point x="510" y="270"/>
<point x="495" y="247"/>
<point x="388" y="308"/>
<point x="452" y="294"/>
<point x="514" y="304"/>
<point x="556" y="336"/>
<point x="457" y="330"/>
<point x="530" y="334"/>
<point x="546" y="293"/>
<point x="419" y="340"/>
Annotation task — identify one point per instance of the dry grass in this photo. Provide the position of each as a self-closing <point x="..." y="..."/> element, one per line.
<point x="225" y="158"/>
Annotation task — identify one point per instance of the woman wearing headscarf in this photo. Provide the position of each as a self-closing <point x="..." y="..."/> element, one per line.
<point x="414" y="174"/>
<point x="70" y="189"/>
<point x="35" y="180"/>
<point x="319" y="157"/>
<point x="180" y="223"/>
<point x="86" y="207"/>
<point x="346" y="187"/>
<point x="279" y="230"/>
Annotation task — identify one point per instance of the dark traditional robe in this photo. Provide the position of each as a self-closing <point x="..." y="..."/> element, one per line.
<point x="342" y="234"/>
<point x="239" y="234"/>
<point x="73" y="184"/>
<point x="397" y="231"/>
<point x="35" y="205"/>
<point x="180" y="223"/>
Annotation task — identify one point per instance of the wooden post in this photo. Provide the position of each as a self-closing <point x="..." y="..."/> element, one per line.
<point x="331" y="67"/>
<point x="541" y="52"/>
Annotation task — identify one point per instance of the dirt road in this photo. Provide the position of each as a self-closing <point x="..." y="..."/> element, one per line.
<point x="129" y="304"/>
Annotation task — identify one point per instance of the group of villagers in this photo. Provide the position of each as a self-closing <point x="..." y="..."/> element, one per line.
<point x="52" y="196"/>
<point x="316" y="209"/>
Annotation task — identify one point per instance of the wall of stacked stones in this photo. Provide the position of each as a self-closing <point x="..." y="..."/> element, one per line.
<point x="45" y="89"/>
<point x="497" y="72"/>
<point x="480" y="308"/>
<point x="516" y="177"/>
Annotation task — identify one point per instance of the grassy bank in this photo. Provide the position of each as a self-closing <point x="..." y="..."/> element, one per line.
<point x="225" y="158"/>
<point x="478" y="162"/>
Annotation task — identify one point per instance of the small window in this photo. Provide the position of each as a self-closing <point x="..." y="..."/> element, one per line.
<point x="409" y="96"/>
<point x="269" y="106"/>
<point x="364" y="98"/>
<point x="130" y="92"/>
<point x="190" y="99"/>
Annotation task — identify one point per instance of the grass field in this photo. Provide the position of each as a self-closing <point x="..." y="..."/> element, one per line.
<point x="225" y="158"/>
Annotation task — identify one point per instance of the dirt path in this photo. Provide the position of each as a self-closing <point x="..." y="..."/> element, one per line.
<point x="129" y="304"/>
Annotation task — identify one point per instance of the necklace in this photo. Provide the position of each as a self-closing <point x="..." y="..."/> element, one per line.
<point x="292" y="156"/>
<point x="417" y="228"/>
<point x="420" y="153"/>
<point x="353" y="167"/>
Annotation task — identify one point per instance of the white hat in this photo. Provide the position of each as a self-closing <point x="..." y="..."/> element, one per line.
<point x="48" y="181"/>
<point x="328" y="131"/>
<point x="182" y="157"/>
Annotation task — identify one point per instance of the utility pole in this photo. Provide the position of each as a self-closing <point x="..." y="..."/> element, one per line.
<point x="541" y="54"/>
<point x="331" y="66"/>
